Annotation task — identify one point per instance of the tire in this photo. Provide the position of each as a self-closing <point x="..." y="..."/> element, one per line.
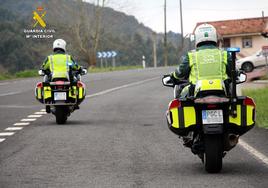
<point x="213" y="153"/>
<point x="61" y="114"/>
<point x="247" y="67"/>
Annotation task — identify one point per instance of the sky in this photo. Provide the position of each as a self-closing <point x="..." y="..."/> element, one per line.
<point x="151" y="12"/>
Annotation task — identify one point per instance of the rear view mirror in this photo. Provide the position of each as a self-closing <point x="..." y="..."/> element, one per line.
<point x="241" y="78"/>
<point x="167" y="81"/>
<point x="84" y="71"/>
<point x="41" y="72"/>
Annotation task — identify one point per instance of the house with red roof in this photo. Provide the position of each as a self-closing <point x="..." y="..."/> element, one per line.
<point x="248" y="34"/>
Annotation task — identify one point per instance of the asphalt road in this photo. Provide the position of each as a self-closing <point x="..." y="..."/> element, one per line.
<point x="118" y="138"/>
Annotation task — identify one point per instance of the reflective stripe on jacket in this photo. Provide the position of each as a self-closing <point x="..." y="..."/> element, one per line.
<point x="207" y="64"/>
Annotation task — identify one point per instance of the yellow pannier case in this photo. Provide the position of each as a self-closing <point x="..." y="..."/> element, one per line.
<point x="181" y="117"/>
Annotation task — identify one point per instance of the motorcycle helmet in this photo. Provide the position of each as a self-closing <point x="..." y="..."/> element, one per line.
<point x="205" y="33"/>
<point x="59" y="44"/>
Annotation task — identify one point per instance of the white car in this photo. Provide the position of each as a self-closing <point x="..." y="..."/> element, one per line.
<point x="249" y="63"/>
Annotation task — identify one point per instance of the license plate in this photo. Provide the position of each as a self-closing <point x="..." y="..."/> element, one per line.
<point x="212" y="116"/>
<point x="59" y="96"/>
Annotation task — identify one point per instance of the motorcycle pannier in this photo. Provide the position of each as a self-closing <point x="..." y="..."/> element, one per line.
<point x="43" y="92"/>
<point x="181" y="117"/>
<point x="245" y="118"/>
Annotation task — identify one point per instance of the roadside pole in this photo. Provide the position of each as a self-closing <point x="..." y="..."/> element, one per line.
<point x="154" y="49"/>
<point x="113" y="62"/>
<point x="143" y="62"/>
<point x="265" y="53"/>
<point x="101" y="62"/>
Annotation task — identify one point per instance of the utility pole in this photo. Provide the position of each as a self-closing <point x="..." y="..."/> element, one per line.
<point x="154" y="49"/>
<point x="182" y="38"/>
<point x="165" y="35"/>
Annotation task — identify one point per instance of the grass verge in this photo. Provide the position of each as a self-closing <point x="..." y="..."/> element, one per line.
<point x="33" y="73"/>
<point x="108" y="69"/>
<point x="20" y="74"/>
<point x="260" y="97"/>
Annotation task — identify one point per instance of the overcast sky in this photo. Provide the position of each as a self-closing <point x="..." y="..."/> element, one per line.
<point x="150" y="12"/>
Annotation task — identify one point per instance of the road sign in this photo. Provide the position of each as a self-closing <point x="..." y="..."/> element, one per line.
<point x="104" y="54"/>
<point x="109" y="54"/>
<point x="99" y="54"/>
<point x="114" y="54"/>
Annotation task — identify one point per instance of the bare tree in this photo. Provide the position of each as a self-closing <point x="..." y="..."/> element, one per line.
<point x="87" y="31"/>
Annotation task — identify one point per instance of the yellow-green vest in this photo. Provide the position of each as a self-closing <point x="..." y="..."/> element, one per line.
<point x="59" y="65"/>
<point x="207" y="64"/>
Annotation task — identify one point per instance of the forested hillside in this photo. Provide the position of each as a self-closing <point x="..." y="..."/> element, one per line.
<point x="80" y="24"/>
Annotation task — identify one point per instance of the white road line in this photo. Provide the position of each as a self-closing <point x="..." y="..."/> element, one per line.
<point x="43" y="110"/>
<point x="7" y="133"/>
<point x="28" y="119"/>
<point x="10" y="93"/>
<point x="21" y="124"/>
<point x="17" y="106"/>
<point x="34" y="116"/>
<point x="120" y="87"/>
<point x="2" y="139"/>
<point x="13" y="128"/>
<point x="40" y="113"/>
<point x="253" y="151"/>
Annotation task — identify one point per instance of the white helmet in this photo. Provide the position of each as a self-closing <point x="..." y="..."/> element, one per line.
<point x="59" y="44"/>
<point x="205" y="32"/>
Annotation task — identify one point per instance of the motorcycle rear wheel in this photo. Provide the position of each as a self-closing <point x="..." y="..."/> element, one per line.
<point x="213" y="153"/>
<point x="61" y="114"/>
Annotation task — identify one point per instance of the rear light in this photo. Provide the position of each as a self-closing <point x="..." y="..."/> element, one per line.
<point x="211" y="100"/>
<point x="174" y="104"/>
<point x="39" y="85"/>
<point x="59" y="83"/>
<point x="249" y="101"/>
<point x="80" y="84"/>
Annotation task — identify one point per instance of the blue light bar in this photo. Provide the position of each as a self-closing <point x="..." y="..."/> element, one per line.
<point x="233" y="49"/>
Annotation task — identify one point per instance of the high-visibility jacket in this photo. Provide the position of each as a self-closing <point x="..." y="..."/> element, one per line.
<point x="207" y="64"/>
<point x="59" y="65"/>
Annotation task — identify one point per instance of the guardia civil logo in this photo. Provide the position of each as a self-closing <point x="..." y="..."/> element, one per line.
<point x="39" y="16"/>
<point x="39" y="26"/>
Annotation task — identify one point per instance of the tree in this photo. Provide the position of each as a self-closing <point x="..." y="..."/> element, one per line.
<point x="87" y="31"/>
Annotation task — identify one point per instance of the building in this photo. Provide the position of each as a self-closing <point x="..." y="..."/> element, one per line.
<point x="248" y="34"/>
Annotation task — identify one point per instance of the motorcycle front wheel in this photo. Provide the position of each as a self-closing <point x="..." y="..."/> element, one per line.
<point x="213" y="153"/>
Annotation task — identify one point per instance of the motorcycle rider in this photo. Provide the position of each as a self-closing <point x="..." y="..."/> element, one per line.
<point x="60" y="65"/>
<point x="207" y="61"/>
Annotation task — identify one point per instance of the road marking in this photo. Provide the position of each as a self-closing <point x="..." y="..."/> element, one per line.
<point x="17" y="106"/>
<point x="10" y="93"/>
<point x="40" y="113"/>
<point x="13" y="128"/>
<point x="21" y="124"/>
<point x="28" y="119"/>
<point x="2" y="139"/>
<point x="253" y="151"/>
<point x="43" y="110"/>
<point x="121" y="87"/>
<point x="7" y="133"/>
<point x="34" y="116"/>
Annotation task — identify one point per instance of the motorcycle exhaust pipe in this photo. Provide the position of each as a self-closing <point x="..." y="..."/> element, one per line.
<point x="230" y="141"/>
<point x="233" y="140"/>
